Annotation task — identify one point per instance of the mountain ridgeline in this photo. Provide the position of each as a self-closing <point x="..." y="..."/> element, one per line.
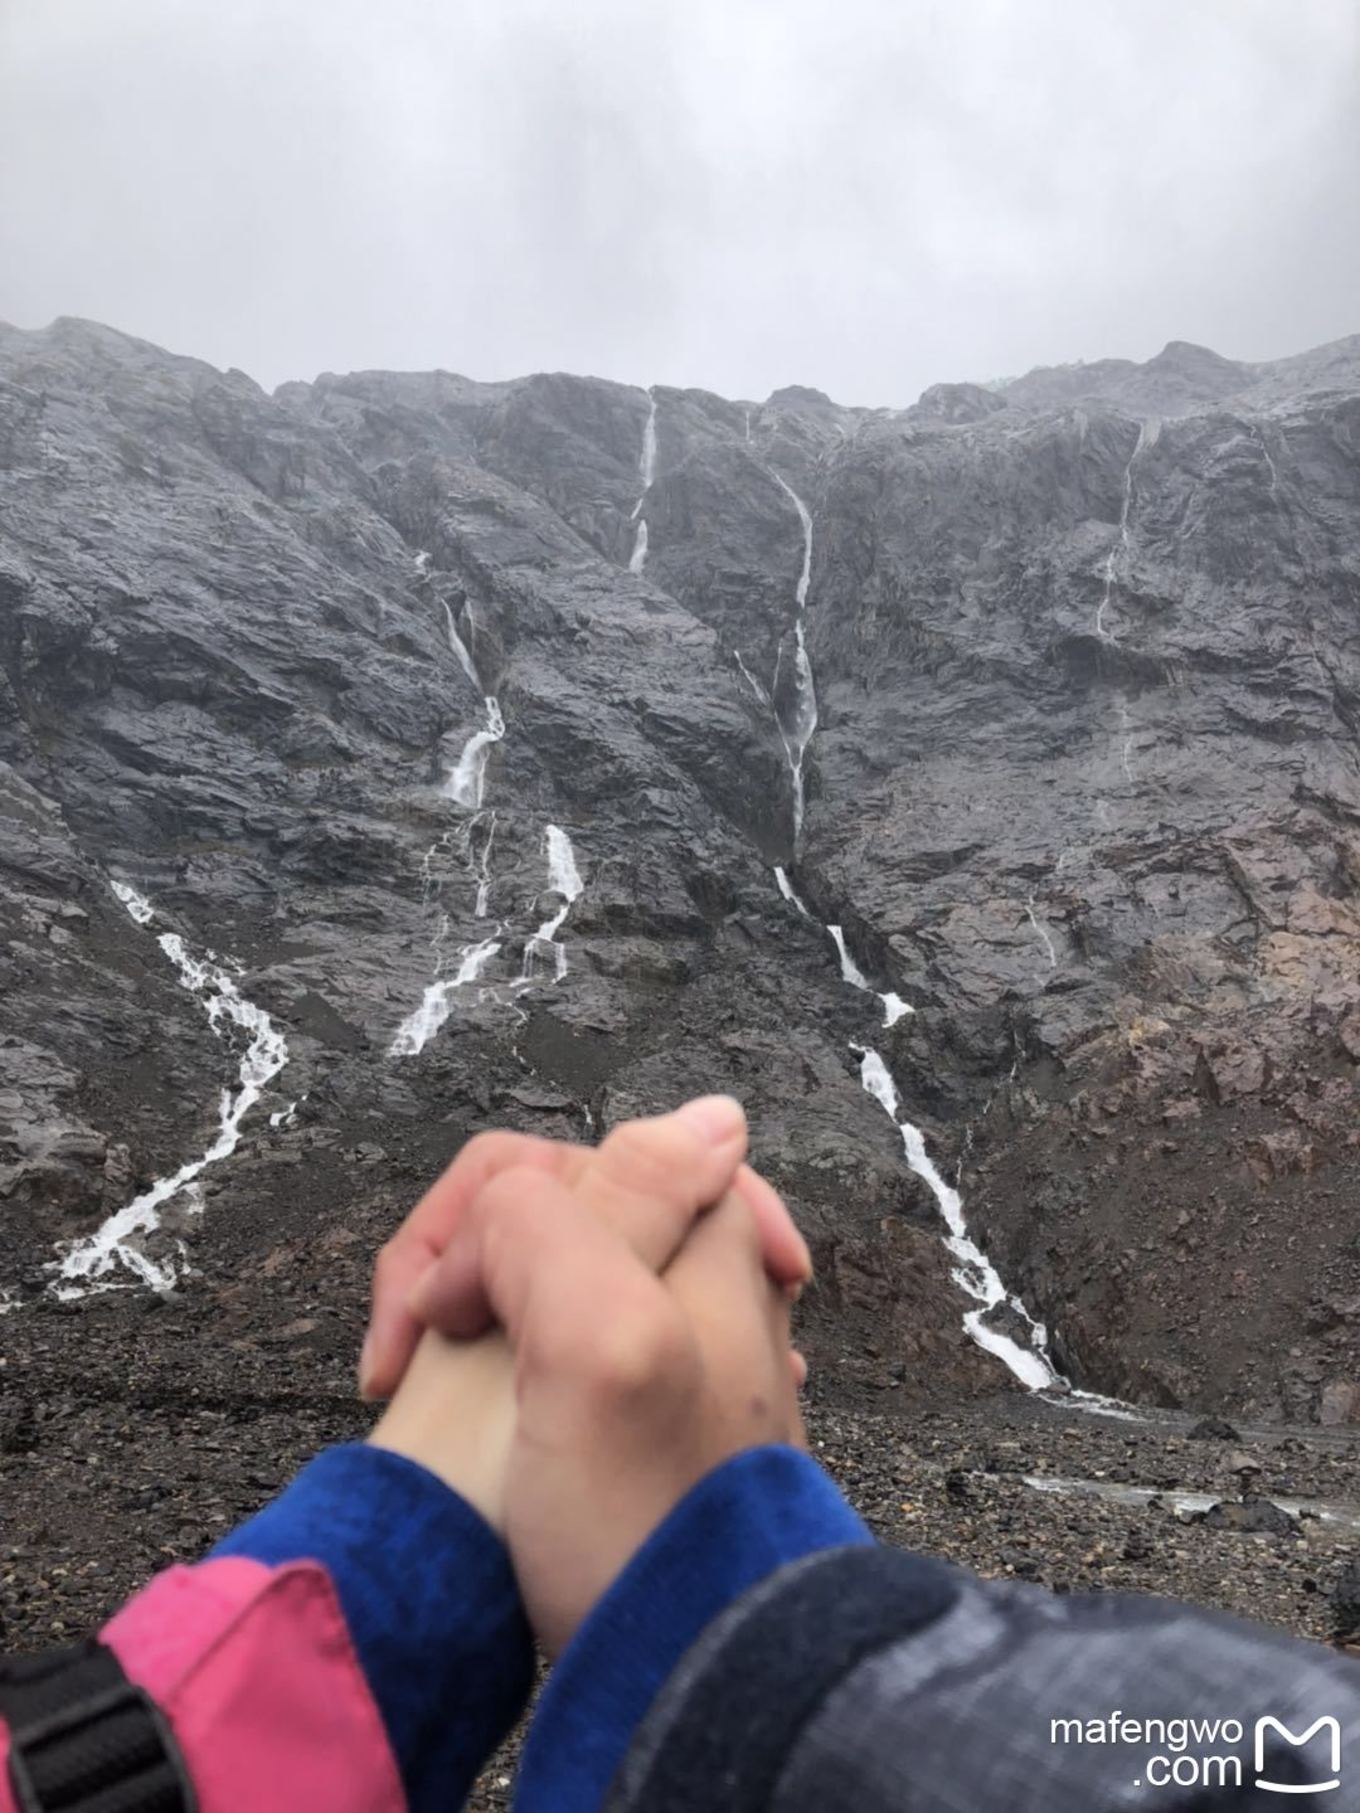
<point x="400" y="755"/>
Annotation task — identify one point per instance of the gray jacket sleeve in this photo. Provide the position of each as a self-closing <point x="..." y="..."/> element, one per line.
<point x="872" y="1681"/>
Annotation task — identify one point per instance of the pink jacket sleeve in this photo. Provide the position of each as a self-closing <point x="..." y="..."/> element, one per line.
<point x="255" y="1670"/>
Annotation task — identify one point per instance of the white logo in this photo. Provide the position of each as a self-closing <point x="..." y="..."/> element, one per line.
<point x="1323" y="1724"/>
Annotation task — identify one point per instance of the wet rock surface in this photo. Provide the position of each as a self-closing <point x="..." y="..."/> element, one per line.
<point x="1083" y="791"/>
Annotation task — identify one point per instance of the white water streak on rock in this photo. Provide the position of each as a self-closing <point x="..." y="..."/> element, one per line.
<point x="797" y="734"/>
<point x="465" y="786"/>
<point x="1041" y="930"/>
<point x="637" y="560"/>
<point x="797" y="725"/>
<point x="850" y="970"/>
<point x="467" y="777"/>
<point x="1126" y="744"/>
<point x="1270" y="465"/>
<point x="805" y="519"/>
<point x="93" y="1262"/>
<point x="974" y="1273"/>
<point x="787" y="890"/>
<point x="564" y="880"/>
<point x="482" y="868"/>
<point x="437" y="1003"/>
<point x="460" y="648"/>
<point x="139" y="908"/>
<point x="752" y="682"/>
<point x="894" y="1007"/>
<point x="1119" y="549"/>
<point x="647" y="464"/>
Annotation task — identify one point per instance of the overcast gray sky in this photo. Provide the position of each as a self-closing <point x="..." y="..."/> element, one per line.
<point x="864" y="195"/>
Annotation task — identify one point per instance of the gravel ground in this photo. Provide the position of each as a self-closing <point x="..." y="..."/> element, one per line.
<point x="125" y="1444"/>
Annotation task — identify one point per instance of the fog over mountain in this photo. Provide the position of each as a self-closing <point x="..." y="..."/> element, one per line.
<point x="868" y="198"/>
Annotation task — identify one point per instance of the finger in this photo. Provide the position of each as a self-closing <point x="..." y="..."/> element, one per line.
<point x="648" y="1182"/>
<point x="549" y="1272"/>
<point x="719" y="1282"/>
<point x="393" y="1330"/>
<point x="717" y="1276"/>
<point x="787" y="1258"/>
<point x="779" y="1306"/>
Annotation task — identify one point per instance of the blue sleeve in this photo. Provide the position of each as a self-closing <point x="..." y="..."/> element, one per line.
<point x="431" y="1603"/>
<point x="748" y="1517"/>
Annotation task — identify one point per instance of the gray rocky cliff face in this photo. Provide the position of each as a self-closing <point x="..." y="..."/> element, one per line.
<point x="1083" y="790"/>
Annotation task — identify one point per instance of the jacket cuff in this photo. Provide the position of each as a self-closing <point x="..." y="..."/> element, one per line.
<point x="741" y="1522"/>
<point x="430" y="1600"/>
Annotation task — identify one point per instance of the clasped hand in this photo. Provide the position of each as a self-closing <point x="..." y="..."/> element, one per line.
<point x="572" y="1338"/>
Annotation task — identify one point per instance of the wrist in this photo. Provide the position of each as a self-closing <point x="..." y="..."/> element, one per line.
<point x="454" y="1414"/>
<point x="741" y="1523"/>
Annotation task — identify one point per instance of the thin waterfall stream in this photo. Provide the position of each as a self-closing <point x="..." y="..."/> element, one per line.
<point x="93" y="1262"/>
<point x="637" y="560"/>
<point x="465" y="786"/>
<point x="1028" y="1359"/>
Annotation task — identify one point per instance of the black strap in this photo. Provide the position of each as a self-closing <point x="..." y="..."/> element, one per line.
<point x="84" y="1739"/>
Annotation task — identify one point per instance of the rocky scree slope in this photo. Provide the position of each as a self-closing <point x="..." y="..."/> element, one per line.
<point x="1082" y="790"/>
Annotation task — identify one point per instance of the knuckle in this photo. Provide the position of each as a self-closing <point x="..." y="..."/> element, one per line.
<point x="636" y="1353"/>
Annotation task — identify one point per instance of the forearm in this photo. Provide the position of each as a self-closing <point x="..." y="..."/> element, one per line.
<point x="743" y="1522"/>
<point x="880" y="1680"/>
<point x="359" y="1644"/>
<point x="429" y="1599"/>
<point x="404" y="1528"/>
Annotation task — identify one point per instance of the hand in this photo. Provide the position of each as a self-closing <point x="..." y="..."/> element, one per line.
<point x="454" y="1408"/>
<point x="706" y="1161"/>
<point x="648" y="1182"/>
<point x="629" y="1387"/>
<point x="454" y="1405"/>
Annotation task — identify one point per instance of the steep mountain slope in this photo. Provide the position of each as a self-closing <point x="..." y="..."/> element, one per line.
<point x="464" y="717"/>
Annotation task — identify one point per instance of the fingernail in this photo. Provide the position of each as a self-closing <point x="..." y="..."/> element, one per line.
<point x="716" y="1118"/>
